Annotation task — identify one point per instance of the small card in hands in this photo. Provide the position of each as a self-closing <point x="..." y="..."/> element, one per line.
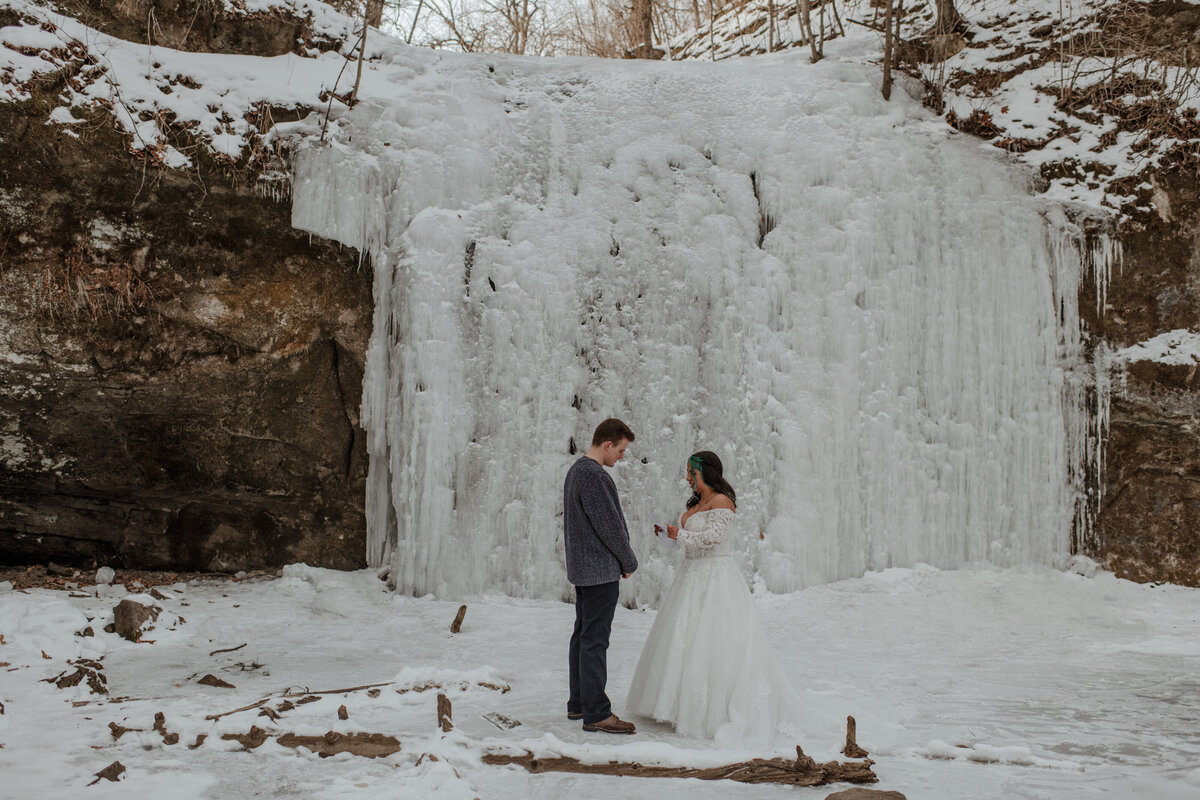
<point x="660" y="530"/>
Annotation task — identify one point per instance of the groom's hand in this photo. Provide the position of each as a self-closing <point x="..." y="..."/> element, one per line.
<point x="626" y="574"/>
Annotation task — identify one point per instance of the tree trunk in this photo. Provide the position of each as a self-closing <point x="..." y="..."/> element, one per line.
<point x="806" y="24"/>
<point x="888" y="50"/>
<point x="643" y="28"/>
<point x="948" y="18"/>
<point x="374" y="13"/>
<point x="770" y="26"/>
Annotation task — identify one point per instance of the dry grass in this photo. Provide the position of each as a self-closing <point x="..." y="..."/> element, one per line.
<point x="79" y="287"/>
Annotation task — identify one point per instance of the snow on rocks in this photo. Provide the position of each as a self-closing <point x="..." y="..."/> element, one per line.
<point x="168" y="101"/>
<point x="1177" y="347"/>
<point x="1090" y="93"/>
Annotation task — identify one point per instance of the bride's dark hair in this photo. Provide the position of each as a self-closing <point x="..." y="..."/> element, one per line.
<point x="711" y="471"/>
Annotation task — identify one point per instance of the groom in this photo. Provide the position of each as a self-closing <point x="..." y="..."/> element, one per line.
<point x="598" y="555"/>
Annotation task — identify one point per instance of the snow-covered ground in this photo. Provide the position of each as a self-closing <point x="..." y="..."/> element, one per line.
<point x="977" y="683"/>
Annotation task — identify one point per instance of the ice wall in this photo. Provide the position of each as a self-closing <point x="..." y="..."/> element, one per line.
<point x="864" y="314"/>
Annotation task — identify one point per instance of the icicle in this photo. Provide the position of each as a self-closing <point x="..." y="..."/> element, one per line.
<point x="875" y="328"/>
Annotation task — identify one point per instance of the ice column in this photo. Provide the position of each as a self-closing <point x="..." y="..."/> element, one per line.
<point x="868" y="318"/>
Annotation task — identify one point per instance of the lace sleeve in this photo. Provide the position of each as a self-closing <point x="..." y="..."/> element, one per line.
<point x="716" y="527"/>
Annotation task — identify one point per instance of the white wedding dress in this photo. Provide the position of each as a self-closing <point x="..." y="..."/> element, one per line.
<point x="708" y="665"/>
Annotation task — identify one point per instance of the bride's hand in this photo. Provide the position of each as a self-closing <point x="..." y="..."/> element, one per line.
<point x="672" y="531"/>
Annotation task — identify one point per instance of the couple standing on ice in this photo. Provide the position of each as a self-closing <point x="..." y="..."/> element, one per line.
<point x="707" y="665"/>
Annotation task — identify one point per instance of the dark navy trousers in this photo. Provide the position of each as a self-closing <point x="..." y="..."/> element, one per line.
<point x="594" y="609"/>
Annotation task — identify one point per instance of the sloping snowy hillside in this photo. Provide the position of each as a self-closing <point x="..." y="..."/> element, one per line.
<point x="1095" y="94"/>
<point x="1091" y="94"/>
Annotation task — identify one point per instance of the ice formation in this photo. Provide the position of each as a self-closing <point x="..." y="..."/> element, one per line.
<point x="868" y="318"/>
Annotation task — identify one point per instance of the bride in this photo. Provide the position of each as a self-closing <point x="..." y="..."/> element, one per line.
<point x="707" y="665"/>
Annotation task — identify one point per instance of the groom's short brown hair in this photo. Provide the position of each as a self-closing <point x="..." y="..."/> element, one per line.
<point x="611" y="430"/>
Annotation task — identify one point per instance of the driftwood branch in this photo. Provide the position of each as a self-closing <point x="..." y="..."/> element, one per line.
<point x="444" y="714"/>
<point x="309" y="696"/>
<point x="293" y="694"/>
<point x="852" y="750"/>
<point x="229" y="649"/>
<point x="801" y="772"/>
<point x="306" y="692"/>
<point x="456" y="626"/>
<point x="368" y="745"/>
<point x="238" y="710"/>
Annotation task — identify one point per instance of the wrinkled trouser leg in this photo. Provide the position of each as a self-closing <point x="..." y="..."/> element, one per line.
<point x="588" y="654"/>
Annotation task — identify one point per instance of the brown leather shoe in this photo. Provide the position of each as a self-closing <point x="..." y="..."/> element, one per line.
<point x="611" y="725"/>
<point x="574" y="715"/>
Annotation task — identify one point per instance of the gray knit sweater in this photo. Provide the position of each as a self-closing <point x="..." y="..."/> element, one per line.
<point x="596" y="538"/>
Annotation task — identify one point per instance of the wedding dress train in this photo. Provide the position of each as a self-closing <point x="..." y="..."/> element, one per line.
<point x="707" y="665"/>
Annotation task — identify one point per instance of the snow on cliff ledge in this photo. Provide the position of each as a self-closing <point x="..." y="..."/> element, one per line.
<point x="169" y="102"/>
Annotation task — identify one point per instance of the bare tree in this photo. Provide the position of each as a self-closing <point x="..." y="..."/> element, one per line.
<point x="459" y="26"/>
<point x="806" y="25"/>
<point x="605" y="28"/>
<point x="948" y="19"/>
<point x="643" y="29"/>
<point x="374" y="13"/>
<point x="889" y="47"/>
<point x="518" y="16"/>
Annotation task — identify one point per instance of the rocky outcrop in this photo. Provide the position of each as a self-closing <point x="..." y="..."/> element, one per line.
<point x="180" y="370"/>
<point x="198" y="26"/>
<point x="1148" y="525"/>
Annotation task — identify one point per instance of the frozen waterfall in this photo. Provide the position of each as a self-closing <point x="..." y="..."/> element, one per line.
<point x="863" y="313"/>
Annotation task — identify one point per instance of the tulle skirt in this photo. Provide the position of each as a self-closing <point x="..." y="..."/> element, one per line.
<point x="708" y="666"/>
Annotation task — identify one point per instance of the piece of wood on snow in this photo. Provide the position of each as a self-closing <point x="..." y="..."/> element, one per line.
<point x="456" y="626"/>
<point x="852" y="750"/>
<point x="803" y="771"/>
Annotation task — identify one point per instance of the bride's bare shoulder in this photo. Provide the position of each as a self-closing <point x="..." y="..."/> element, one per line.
<point x="721" y="501"/>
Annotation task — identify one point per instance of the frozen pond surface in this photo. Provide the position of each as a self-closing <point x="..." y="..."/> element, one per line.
<point x="976" y="683"/>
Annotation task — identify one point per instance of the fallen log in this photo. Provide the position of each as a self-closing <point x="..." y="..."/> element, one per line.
<point x="368" y="745"/>
<point x="801" y="772"/>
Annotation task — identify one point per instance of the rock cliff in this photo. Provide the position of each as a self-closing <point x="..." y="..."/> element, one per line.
<point x="180" y="370"/>
<point x="1149" y="511"/>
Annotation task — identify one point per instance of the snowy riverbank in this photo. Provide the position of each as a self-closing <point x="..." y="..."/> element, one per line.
<point x="978" y="683"/>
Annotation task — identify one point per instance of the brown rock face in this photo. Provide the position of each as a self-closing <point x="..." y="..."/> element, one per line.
<point x="180" y="370"/>
<point x="197" y="26"/>
<point x="1148" y="526"/>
